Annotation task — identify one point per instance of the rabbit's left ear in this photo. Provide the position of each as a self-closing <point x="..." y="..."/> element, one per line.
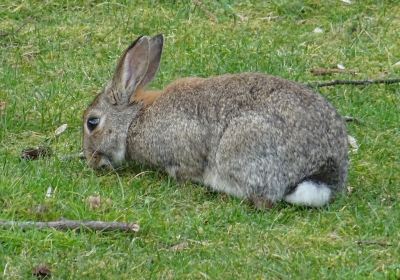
<point x="136" y="68"/>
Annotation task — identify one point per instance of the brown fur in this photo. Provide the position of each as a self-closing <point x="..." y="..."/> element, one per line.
<point x="146" y="96"/>
<point x="149" y="96"/>
<point x="184" y="84"/>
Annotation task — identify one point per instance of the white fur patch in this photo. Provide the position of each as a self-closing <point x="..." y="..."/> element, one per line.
<point x="309" y="193"/>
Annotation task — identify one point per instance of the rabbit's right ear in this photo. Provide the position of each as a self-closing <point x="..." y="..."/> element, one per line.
<point x="131" y="70"/>
<point x="155" y="50"/>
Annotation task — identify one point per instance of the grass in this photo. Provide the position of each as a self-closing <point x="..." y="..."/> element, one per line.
<point x="55" y="56"/>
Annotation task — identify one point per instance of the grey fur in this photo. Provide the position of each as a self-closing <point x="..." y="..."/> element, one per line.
<point x="258" y="136"/>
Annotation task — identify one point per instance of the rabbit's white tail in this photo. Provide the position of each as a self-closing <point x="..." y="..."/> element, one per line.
<point x="310" y="193"/>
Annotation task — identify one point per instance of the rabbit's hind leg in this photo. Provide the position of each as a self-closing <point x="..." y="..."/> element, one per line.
<point x="250" y="157"/>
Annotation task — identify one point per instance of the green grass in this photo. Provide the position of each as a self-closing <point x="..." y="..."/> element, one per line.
<point x="55" y="56"/>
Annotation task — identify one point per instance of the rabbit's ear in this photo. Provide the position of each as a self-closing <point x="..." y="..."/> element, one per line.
<point x="131" y="70"/>
<point x="156" y="47"/>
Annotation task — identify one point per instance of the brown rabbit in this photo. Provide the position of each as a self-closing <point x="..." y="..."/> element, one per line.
<point x="250" y="135"/>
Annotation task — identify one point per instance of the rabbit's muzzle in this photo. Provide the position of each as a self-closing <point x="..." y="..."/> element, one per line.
<point x="98" y="160"/>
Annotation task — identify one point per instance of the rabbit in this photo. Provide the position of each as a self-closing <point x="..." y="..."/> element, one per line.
<point x="251" y="135"/>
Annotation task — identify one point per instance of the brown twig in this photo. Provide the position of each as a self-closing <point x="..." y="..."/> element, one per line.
<point x="353" y="82"/>
<point x="373" y="242"/>
<point x="329" y="71"/>
<point x="71" y="225"/>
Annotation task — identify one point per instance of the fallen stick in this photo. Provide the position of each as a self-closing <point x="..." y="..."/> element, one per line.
<point x="328" y="71"/>
<point x="71" y="224"/>
<point x="373" y="242"/>
<point x="353" y="82"/>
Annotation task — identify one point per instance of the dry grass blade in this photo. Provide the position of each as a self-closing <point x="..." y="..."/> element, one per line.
<point x="2" y="106"/>
<point x="179" y="247"/>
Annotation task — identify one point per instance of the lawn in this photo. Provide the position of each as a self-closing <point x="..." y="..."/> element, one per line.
<point x="56" y="55"/>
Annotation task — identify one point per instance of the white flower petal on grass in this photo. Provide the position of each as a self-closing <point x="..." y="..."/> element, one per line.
<point x="49" y="192"/>
<point x="353" y="143"/>
<point x="347" y="1"/>
<point x="397" y="64"/>
<point x="318" y="30"/>
<point x="60" y="129"/>
<point x="341" y="66"/>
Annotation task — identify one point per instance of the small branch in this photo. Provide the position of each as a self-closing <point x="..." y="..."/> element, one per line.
<point x="353" y="82"/>
<point x="373" y="242"/>
<point x="71" y="224"/>
<point x="329" y="71"/>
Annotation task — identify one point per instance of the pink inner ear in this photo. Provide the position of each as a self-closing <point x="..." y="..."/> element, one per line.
<point x="128" y="73"/>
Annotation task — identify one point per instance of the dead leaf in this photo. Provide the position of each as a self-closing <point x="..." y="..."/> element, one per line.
<point x="353" y="143"/>
<point x="40" y="209"/>
<point x="2" y="106"/>
<point x="397" y="64"/>
<point x="347" y="2"/>
<point x="95" y="202"/>
<point x="35" y="153"/>
<point x="318" y="30"/>
<point x="49" y="192"/>
<point x="350" y="189"/>
<point x="179" y="247"/>
<point x="30" y="55"/>
<point x="269" y="18"/>
<point x="42" y="271"/>
<point x="242" y="17"/>
<point x="333" y="235"/>
<point x="60" y="129"/>
<point x="340" y="66"/>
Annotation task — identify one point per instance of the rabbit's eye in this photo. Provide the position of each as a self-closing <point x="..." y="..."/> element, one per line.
<point x="92" y="123"/>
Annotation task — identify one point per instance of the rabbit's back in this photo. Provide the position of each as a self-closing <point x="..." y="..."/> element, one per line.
<point x="221" y="98"/>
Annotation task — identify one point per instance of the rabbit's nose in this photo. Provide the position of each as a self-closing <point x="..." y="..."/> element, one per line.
<point x="92" y="159"/>
<point x="104" y="162"/>
<point x="98" y="160"/>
